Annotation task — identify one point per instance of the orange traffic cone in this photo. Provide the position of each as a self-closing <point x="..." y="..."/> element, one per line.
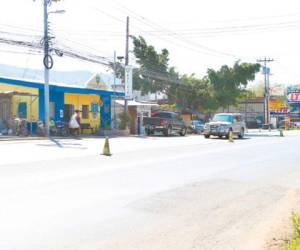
<point x="230" y="137"/>
<point x="106" y="149"/>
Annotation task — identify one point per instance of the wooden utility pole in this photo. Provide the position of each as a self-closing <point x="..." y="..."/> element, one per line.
<point x="266" y="73"/>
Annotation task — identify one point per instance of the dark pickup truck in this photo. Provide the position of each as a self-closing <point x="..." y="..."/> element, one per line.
<point x="165" y="122"/>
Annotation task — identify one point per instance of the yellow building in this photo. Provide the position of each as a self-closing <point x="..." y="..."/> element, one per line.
<point x="21" y="101"/>
<point x="89" y="107"/>
<point x="26" y="100"/>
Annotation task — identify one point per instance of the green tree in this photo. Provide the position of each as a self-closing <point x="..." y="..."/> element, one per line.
<point x="150" y="77"/>
<point x="228" y="84"/>
<point x="220" y="88"/>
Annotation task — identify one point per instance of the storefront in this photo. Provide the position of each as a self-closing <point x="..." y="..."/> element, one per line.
<point x="95" y="105"/>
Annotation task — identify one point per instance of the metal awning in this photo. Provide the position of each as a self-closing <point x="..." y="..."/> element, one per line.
<point x="12" y="93"/>
<point x="135" y="103"/>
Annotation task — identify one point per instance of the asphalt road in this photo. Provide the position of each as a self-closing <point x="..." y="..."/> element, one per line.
<point x="153" y="193"/>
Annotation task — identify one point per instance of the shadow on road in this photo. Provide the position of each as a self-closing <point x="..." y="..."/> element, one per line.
<point x="225" y="139"/>
<point x="160" y="136"/>
<point x="62" y="145"/>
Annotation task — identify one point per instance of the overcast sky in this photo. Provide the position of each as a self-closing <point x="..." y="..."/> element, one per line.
<point x="199" y="34"/>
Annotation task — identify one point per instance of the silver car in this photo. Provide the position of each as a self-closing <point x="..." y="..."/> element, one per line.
<point x="223" y="123"/>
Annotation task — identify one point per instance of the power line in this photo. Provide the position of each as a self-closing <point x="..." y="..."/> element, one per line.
<point x="174" y="35"/>
<point x="66" y="51"/>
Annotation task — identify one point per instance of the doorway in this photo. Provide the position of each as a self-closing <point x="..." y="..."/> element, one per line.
<point x="68" y="112"/>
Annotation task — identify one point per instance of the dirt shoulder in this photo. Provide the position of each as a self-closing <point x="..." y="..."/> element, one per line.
<point x="274" y="231"/>
<point x="282" y="228"/>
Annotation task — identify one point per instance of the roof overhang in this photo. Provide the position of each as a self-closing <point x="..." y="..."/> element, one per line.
<point x="135" y="103"/>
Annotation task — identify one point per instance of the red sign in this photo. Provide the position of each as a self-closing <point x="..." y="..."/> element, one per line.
<point x="294" y="97"/>
<point x="284" y="110"/>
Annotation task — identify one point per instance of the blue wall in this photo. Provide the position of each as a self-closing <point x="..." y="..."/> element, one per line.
<point x="106" y="112"/>
<point x="57" y="98"/>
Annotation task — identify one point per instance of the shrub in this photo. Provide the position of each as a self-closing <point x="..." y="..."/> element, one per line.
<point x="294" y="243"/>
<point x="124" y="120"/>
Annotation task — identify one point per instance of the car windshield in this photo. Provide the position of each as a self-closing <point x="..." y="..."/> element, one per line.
<point x="222" y="118"/>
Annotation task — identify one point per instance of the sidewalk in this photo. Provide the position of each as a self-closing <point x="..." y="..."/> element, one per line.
<point x="273" y="132"/>
<point x="20" y="138"/>
<point x="32" y="138"/>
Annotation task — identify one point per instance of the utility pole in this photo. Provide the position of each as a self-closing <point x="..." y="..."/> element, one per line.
<point x="127" y="57"/>
<point x="46" y="67"/>
<point x="115" y="69"/>
<point x="266" y="73"/>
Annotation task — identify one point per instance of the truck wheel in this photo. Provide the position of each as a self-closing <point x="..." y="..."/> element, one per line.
<point x="148" y="132"/>
<point x="206" y="136"/>
<point x="183" y="132"/>
<point x="168" y="131"/>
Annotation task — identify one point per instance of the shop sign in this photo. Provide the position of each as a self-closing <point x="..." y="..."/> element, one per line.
<point x="284" y="110"/>
<point x="294" y="97"/>
<point x="128" y="83"/>
<point x="276" y="104"/>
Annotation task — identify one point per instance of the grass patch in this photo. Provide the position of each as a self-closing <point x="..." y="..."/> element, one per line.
<point x="294" y="242"/>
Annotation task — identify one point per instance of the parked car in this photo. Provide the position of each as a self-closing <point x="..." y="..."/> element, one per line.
<point x="197" y="126"/>
<point x="165" y="122"/>
<point x="223" y="123"/>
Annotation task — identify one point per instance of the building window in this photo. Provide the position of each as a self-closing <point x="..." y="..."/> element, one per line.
<point x="85" y="111"/>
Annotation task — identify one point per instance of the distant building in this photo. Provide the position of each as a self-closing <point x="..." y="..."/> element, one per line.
<point x="252" y="109"/>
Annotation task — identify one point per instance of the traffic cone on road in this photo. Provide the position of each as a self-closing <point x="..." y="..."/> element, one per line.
<point x="106" y="149"/>
<point x="281" y="132"/>
<point x="230" y="137"/>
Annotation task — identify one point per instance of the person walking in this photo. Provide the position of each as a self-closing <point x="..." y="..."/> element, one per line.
<point x="75" y="123"/>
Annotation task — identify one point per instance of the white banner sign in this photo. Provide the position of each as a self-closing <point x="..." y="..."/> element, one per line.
<point x="128" y="82"/>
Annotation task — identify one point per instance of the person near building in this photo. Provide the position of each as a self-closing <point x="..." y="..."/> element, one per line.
<point x="74" y="123"/>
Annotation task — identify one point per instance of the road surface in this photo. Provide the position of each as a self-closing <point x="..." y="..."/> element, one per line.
<point x="176" y="193"/>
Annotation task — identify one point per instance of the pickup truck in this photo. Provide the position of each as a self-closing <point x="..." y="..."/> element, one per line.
<point x="165" y="122"/>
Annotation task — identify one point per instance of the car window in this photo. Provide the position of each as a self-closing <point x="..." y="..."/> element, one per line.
<point x="178" y="117"/>
<point x="222" y="118"/>
<point x="163" y="115"/>
<point x="196" y="123"/>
